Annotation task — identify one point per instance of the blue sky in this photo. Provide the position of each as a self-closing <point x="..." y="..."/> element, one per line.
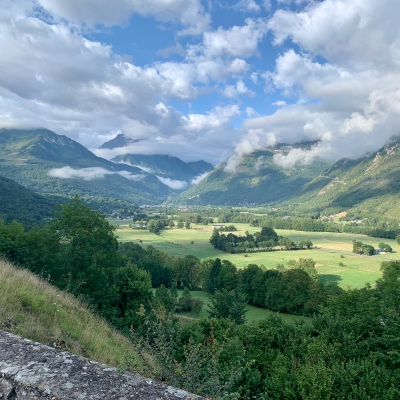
<point x="147" y="41"/>
<point x="200" y="79"/>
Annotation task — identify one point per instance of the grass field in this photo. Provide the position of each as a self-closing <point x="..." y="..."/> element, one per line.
<point x="331" y="249"/>
<point x="252" y="313"/>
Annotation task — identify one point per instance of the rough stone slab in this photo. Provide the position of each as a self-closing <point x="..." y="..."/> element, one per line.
<point x="31" y="371"/>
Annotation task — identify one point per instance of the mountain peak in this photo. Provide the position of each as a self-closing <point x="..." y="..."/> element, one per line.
<point x="305" y="145"/>
<point x="119" y="141"/>
<point x="391" y="141"/>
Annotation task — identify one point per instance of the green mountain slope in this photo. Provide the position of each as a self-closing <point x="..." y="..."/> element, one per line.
<point x="27" y="156"/>
<point x="23" y="205"/>
<point x="166" y="166"/>
<point x="370" y="184"/>
<point x="257" y="180"/>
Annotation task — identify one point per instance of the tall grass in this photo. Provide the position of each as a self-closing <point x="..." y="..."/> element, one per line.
<point x="31" y="307"/>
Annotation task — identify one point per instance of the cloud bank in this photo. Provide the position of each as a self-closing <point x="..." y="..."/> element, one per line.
<point x="173" y="183"/>
<point x="342" y="86"/>
<point x="297" y="70"/>
<point x="90" y="173"/>
<point x="190" y="13"/>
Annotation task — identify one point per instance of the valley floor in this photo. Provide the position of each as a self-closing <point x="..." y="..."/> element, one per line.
<point x="330" y="250"/>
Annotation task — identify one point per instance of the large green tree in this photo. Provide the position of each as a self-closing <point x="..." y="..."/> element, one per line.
<point x="211" y="282"/>
<point x="187" y="271"/>
<point x="85" y="252"/>
<point x="228" y="304"/>
<point x="133" y="287"/>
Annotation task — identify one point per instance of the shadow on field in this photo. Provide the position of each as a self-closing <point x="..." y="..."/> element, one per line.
<point x="329" y="278"/>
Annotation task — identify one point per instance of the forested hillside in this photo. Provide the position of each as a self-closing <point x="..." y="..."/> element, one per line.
<point x="23" y="205"/>
<point x="367" y="186"/>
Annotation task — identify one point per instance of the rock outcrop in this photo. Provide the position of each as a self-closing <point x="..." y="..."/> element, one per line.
<point x="30" y="370"/>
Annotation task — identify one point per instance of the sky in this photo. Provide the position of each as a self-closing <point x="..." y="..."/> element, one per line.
<point x="202" y="79"/>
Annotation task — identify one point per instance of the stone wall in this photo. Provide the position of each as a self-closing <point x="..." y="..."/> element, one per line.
<point x="30" y="370"/>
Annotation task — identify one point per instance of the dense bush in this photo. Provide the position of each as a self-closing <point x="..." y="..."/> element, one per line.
<point x="350" y="350"/>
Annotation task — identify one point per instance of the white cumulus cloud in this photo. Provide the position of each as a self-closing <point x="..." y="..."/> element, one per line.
<point x="247" y="6"/>
<point x="342" y="74"/>
<point x="237" y="41"/>
<point x="239" y="89"/>
<point x="190" y="13"/>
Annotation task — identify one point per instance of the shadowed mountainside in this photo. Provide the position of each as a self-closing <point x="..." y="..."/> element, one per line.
<point x="19" y="203"/>
<point x="119" y="141"/>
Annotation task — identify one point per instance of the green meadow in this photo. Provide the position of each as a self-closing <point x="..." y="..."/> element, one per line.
<point x="330" y="250"/>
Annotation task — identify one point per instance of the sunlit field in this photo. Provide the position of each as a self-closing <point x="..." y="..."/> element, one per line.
<point x="331" y="249"/>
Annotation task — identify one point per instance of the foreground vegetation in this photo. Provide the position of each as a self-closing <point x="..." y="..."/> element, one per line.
<point x="348" y="349"/>
<point x="31" y="307"/>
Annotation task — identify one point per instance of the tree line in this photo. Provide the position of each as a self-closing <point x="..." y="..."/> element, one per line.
<point x="294" y="288"/>
<point x="265" y="240"/>
<point x="367" y="249"/>
<point x="309" y="223"/>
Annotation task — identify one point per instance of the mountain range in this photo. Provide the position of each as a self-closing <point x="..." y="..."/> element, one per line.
<point x="161" y="165"/>
<point x="256" y="180"/>
<point x="369" y="185"/>
<point x="52" y="164"/>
